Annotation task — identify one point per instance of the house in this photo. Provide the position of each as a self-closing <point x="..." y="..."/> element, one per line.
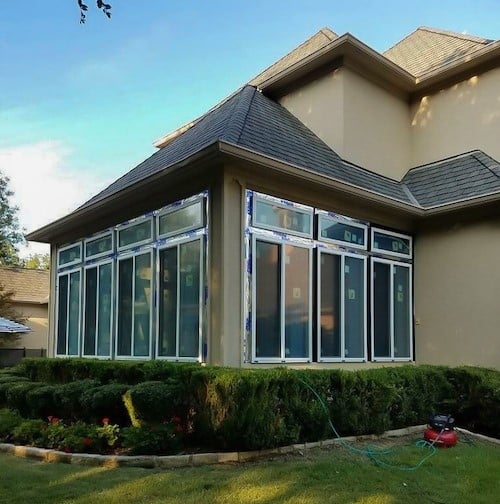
<point x="30" y="299"/>
<point x="341" y="209"/>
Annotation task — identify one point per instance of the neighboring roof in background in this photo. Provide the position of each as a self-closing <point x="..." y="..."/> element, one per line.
<point x="468" y="175"/>
<point x="427" y="49"/>
<point x="8" y="326"/>
<point x="319" y="40"/>
<point x="28" y="285"/>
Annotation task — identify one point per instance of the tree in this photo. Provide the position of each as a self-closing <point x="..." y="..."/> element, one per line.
<point x="104" y="7"/>
<point x="10" y="233"/>
<point x="37" y="261"/>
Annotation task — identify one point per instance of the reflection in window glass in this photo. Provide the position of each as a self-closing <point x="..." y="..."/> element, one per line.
<point x="391" y="244"/>
<point x="296" y="302"/>
<point x="90" y="314"/>
<point x="99" y="246"/>
<point x="138" y="233"/>
<point x="270" y="215"/>
<point x="134" y="306"/>
<point x="382" y="309"/>
<point x="182" y="219"/>
<point x="354" y="306"/>
<point x="70" y="255"/>
<point x="330" y="317"/>
<point x="402" y="313"/>
<point x="68" y="325"/>
<point x="180" y="291"/>
<point x="331" y="229"/>
<point x="268" y="296"/>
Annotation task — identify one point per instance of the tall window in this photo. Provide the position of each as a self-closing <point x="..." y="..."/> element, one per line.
<point x="134" y="301"/>
<point x="97" y="309"/>
<point x="341" y="306"/>
<point x="180" y="287"/>
<point x="68" y="313"/>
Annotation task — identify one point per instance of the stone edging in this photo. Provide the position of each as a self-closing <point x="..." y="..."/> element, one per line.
<point x="196" y="459"/>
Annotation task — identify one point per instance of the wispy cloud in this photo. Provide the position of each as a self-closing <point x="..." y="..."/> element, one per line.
<point x="44" y="185"/>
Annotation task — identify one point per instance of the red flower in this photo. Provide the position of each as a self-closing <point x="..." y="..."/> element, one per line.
<point x="105" y="421"/>
<point x="67" y="450"/>
<point x="52" y="419"/>
<point x="176" y="420"/>
<point x="87" y="441"/>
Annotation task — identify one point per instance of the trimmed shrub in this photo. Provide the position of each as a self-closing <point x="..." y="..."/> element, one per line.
<point x="16" y="396"/>
<point x="105" y="401"/>
<point x="29" y="432"/>
<point x="158" y="439"/>
<point x="9" y="420"/>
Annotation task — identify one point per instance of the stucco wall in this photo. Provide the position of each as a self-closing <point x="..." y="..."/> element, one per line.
<point x="362" y="122"/>
<point x="37" y="320"/>
<point x="459" y="119"/>
<point x="457" y="295"/>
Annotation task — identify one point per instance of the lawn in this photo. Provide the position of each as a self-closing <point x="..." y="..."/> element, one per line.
<point x="468" y="473"/>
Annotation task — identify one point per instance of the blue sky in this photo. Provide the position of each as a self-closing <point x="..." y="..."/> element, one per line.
<point x="82" y="104"/>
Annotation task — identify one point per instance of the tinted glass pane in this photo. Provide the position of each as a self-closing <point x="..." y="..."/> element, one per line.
<point x="189" y="309"/>
<point x="268" y="214"/>
<point x="69" y="255"/>
<point x="134" y="234"/>
<point x="381" y="309"/>
<point x="267" y="293"/>
<point x="340" y="231"/>
<point x="168" y="302"/>
<point x="99" y="246"/>
<point x="104" y="310"/>
<point x="124" y="315"/>
<point x="354" y="292"/>
<point x="189" y="217"/>
<point x="296" y="302"/>
<point x="390" y="243"/>
<point x="90" y="311"/>
<point x="62" y="315"/>
<point x="74" y="313"/>
<point x="142" y="305"/>
<point x="402" y="315"/>
<point x="330" y="318"/>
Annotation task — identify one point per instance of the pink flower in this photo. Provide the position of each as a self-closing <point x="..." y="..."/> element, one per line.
<point x="105" y="421"/>
<point x="52" y="419"/>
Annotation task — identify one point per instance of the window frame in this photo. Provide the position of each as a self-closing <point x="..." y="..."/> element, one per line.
<point x="71" y="263"/>
<point x="97" y="237"/>
<point x="282" y="242"/>
<point x="176" y="207"/>
<point x="112" y="313"/>
<point x="134" y="222"/>
<point x="392" y="264"/>
<point x="390" y="253"/>
<point x="256" y="197"/>
<point x="132" y="254"/>
<point x="347" y="222"/>
<point x="171" y="244"/>
<point x="68" y="272"/>
<point x="343" y="255"/>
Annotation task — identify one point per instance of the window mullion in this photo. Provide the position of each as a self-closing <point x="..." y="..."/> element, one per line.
<point x="391" y="304"/>
<point x="97" y="321"/>
<point x="282" y="299"/>
<point x="132" y="339"/>
<point x="178" y="303"/>
<point x="342" y="306"/>
<point x="68" y="318"/>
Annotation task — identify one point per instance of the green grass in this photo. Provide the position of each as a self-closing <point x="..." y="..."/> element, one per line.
<point x="467" y="473"/>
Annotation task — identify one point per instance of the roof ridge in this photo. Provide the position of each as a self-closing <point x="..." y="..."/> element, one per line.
<point x="399" y="42"/>
<point x="462" y="36"/>
<point x="439" y="161"/>
<point x="327" y="32"/>
<point x="492" y="170"/>
<point x="234" y="129"/>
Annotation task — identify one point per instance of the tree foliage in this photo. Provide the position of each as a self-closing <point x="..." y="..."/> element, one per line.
<point x="37" y="261"/>
<point x="104" y="7"/>
<point x="10" y="232"/>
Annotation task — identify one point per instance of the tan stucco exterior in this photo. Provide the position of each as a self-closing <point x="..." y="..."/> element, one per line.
<point x="461" y="118"/>
<point x="364" y="123"/>
<point x="37" y="320"/>
<point x="457" y="294"/>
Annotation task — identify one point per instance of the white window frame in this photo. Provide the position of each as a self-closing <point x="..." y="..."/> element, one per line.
<point x="133" y="254"/>
<point x="342" y="255"/>
<point x="68" y="272"/>
<point x="130" y="224"/>
<point x="283" y="243"/>
<point x="84" y="303"/>
<point x="175" y="208"/>
<point x="347" y="222"/>
<point x="280" y="203"/>
<point x="172" y="244"/>
<point x="392" y="264"/>
<point x="97" y="237"/>
<point x="67" y="247"/>
<point x="389" y="252"/>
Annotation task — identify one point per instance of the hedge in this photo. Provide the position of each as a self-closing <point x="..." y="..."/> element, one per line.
<point x="241" y="409"/>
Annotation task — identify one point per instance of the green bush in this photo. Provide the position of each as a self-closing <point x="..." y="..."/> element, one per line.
<point x="105" y="401"/>
<point x="158" y="439"/>
<point x="29" y="432"/>
<point x="16" y="396"/>
<point x="9" y="420"/>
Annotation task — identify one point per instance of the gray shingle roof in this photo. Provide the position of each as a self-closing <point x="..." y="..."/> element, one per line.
<point x="251" y="120"/>
<point x="466" y="176"/>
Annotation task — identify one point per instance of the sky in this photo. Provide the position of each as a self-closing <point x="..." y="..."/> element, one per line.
<point x="80" y="105"/>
